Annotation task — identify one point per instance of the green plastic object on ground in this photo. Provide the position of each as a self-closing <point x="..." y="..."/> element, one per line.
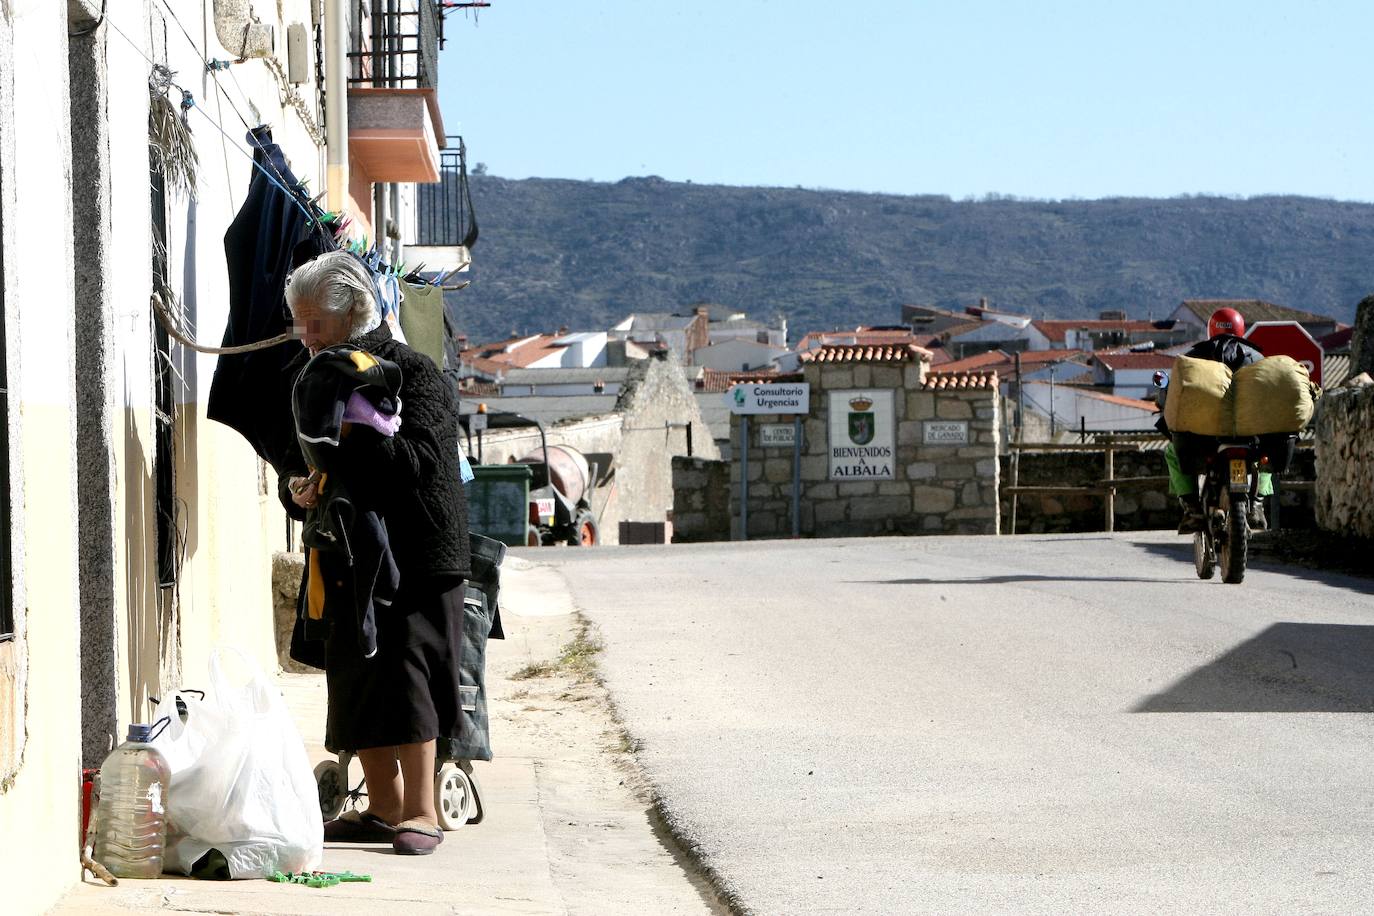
<point x="319" y="878"/>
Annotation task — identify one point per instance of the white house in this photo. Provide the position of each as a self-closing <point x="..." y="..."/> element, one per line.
<point x="737" y="354"/>
<point x="1070" y="408"/>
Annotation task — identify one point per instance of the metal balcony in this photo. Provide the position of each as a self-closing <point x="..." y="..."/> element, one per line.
<point x="395" y="44"/>
<point x="444" y="214"/>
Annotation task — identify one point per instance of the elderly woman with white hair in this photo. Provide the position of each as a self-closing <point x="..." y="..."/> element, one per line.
<point x="391" y="707"/>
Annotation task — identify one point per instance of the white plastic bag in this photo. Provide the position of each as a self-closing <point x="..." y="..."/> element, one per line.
<point x="241" y="780"/>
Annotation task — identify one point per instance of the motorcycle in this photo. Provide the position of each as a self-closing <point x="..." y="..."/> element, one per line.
<point x="1229" y="492"/>
<point x="1229" y="488"/>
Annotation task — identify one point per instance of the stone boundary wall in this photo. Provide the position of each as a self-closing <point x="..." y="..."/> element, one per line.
<point x="1136" y="509"/>
<point x="701" y="500"/>
<point x="937" y="489"/>
<point x="1345" y="461"/>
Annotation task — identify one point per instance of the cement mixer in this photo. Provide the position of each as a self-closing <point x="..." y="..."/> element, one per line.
<point x="560" y="494"/>
<point x="563" y="484"/>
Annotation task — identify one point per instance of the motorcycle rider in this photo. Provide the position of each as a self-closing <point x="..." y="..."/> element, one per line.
<point x="1224" y="344"/>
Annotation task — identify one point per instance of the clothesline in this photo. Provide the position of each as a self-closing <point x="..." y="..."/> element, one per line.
<point x="174" y="330"/>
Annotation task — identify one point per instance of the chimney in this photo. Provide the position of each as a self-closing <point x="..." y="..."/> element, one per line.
<point x="563" y="331"/>
<point x="983" y="302"/>
<point x="703" y="310"/>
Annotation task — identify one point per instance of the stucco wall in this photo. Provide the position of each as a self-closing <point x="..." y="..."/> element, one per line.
<point x="228" y="524"/>
<point x="39" y="683"/>
<point x="1345" y="461"/>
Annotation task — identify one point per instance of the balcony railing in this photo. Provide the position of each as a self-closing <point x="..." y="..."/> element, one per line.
<point x="395" y="44"/>
<point x="444" y="214"/>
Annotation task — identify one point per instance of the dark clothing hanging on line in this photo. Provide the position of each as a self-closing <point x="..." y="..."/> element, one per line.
<point x="269" y="236"/>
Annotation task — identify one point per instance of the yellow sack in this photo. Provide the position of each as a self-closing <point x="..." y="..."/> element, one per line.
<point x="1199" y="398"/>
<point x="1274" y="395"/>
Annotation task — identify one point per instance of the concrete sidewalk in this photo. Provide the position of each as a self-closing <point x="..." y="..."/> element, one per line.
<point x="568" y="828"/>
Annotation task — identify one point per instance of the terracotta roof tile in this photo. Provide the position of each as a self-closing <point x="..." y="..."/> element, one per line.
<point x="960" y="381"/>
<point x="1134" y="360"/>
<point x="722" y="379"/>
<point x="1005" y="363"/>
<point x="878" y="353"/>
<point x="1057" y="329"/>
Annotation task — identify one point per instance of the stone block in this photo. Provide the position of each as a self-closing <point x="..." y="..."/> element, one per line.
<point x="971" y="512"/>
<point x="872" y="507"/>
<point x="755" y="469"/>
<point x="933" y="523"/>
<point x="909" y="432"/>
<point x="920" y="470"/>
<point x="819" y="491"/>
<point x="920" y="405"/>
<point x="886" y="377"/>
<point x="913" y="375"/>
<point x="929" y="499"/>
<point x="987" y="467"/>
<point x="970" y="495"/>
<point x="894" y="488"/>
<point x="1125" y="504"/>
<point x="287" y="569"/>
<point x="830" y="512"/>
<point x="1154" y="500"/>
<point x="857" y="487"/>
<point x="837" y="377"/>
<point x="813" y="430"/>
<point x="985" y="413"/>
<point x="863" y="376"/>
<point x="955" y="470"/>
<point x="815" y="467"/>
<point x="777" y="470"/>
<point x="953" y="408"/>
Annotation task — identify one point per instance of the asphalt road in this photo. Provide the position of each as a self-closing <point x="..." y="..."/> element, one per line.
<point x="978" y="725"/>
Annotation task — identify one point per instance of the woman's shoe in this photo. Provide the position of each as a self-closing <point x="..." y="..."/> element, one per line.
<point x="357" y="827"/>
<point x="416" y="837"/>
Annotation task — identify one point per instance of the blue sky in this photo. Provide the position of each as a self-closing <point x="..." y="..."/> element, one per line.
<point x="1035" y="99"/>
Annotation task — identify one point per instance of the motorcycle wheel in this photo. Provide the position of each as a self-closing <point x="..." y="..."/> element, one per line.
<point x="1203" y="558"/>
<point x="1234" y="552"/>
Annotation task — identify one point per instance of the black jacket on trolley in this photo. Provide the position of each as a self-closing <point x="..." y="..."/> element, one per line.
<point x="351" y="575"/>
<point x="412" y="478"/>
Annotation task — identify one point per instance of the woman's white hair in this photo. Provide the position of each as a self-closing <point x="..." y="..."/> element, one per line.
<point x="337" y="283"/>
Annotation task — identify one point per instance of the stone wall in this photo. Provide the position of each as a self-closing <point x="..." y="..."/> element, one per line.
<point x="1345" y="461"/>
<point x="1136" y="509"/>
<point x="701" y="500"/>
<point x="948" y="489"/>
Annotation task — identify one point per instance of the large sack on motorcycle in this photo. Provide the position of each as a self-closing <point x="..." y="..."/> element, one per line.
<point x="1274" y="395"/>
<point x="1199" y="399"/>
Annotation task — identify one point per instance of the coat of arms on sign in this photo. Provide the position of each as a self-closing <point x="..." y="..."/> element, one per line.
<point x="861" y="425"/>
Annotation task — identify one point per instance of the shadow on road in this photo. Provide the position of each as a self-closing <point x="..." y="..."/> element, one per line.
<point x="1182" y="551"/>
<point x="1002" y="580"/>
<point x="1290" y="667"/>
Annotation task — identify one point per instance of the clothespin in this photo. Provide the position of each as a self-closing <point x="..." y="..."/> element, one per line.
<point x="188" y="102"/>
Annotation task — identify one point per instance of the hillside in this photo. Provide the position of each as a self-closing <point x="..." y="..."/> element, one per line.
<point x="584" y="254"/>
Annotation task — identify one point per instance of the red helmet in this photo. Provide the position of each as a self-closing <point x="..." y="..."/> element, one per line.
<point x="1226" y="321"/>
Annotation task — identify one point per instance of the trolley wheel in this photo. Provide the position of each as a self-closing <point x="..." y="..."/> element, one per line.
<point x="331" y="781"/>
<point x="477" y="814"/>
<point x="453" y="796"/>
<point x="531" y="536"/>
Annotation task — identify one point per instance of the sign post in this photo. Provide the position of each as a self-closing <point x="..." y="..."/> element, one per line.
<point x="746" y="399"/>
<point x="1288" y="338"/>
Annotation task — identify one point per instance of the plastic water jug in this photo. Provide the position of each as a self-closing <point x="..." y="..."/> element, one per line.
<point x="131" y="830"/>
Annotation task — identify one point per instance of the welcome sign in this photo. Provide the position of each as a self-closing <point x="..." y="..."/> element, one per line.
<point x="862" y="435"/>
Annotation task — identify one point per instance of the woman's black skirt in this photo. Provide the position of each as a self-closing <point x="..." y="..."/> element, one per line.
<point x="408" y="692"/>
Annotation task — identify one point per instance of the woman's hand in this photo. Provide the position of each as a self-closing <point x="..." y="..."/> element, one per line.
<point x="304" y="491"/>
